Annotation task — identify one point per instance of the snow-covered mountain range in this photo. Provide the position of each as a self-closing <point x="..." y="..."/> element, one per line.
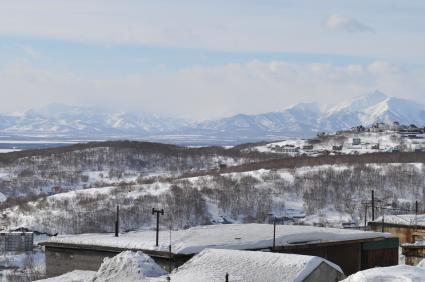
<point x="300" y="120"/>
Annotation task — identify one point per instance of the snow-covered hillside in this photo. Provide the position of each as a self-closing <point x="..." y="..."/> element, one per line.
<point x="349" y="142"/>
<point x="322" y="195"/>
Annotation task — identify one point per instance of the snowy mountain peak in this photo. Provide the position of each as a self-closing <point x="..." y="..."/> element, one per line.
<point x="300" y="120"/>
<point x="396" y="109"/>
<point x="359" y="103"/>
<point x="304" y="108"/>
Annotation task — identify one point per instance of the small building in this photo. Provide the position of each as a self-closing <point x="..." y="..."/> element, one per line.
<point x="414" y="253"/>
<point x="395" y="126"/>
<point x="375" y="146"/>
<point x="314" y="141"/>
<point x="16" y="241"/>
<point x="308" y="147"/>
<point x="358" y="129"/>
<point x="407" y="227"/>
<point x="87" y="251"/>
<point x="213" y="265"/>
<point x="357" y="141"/>
<point x="337" y="147"/>
<point x="287" y="149"/>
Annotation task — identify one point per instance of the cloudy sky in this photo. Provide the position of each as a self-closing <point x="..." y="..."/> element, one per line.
<point x="207" y="59"/>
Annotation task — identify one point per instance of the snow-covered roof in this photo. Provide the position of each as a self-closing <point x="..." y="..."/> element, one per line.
<point x="405" y="219"/>
<point x="212" y="265"/>
<point x="392" y="273"/>
<point x="226" y="236"/>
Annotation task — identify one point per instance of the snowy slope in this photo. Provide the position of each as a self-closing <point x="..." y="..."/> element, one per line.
<point x="393" y="273"/>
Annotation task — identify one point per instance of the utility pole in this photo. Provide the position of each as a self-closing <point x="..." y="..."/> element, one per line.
<point x="383" y="223"/>
<point x="158" y="212"/>
<point x="365" y="217"/>
<point x="373" y="205"/>
<point x="416" y="208"/>
<point x="274" y="234"/>
<point x="227" y="277"/>
<point x="416" y="214"/>
<point x="169" y="254"/>
<point x="117" y="222"/>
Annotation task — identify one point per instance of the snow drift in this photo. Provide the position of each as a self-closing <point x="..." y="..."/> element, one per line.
<point x="128" y="266"/>
<point x="394" y="273"/>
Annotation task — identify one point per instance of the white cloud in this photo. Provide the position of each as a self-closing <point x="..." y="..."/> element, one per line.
<point x="338" y="22"/>
<point x="31" y="52"/>
<point x="208" y="92"/>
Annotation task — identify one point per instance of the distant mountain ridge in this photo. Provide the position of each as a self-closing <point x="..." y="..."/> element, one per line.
<point x="300" y="120"/>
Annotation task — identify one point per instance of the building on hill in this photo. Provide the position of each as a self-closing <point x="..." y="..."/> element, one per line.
<point x="337" y="148"/>
<point x="308" y="147"/>
<point x="356" y="141"/>
<point x="352" y="250"/>
<point x="407" y="227"/>
<point x="213" y="265"/>
<point x="395" y="126"/>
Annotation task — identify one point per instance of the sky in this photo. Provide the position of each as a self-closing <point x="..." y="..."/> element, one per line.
<point x="207" y="59"/>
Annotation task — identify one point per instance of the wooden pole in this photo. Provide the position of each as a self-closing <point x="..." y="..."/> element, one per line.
<point x="373" y="205"/>
<point x="117" y="222"/>
<point x="274" y="234"/>
<point x="365" y="217"/>
<point x="382" y="223"/>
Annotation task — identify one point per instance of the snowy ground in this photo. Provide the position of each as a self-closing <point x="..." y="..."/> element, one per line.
<point x="399" y="273"/>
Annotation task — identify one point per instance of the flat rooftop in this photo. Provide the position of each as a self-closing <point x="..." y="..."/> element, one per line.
<point x="403" y="219"/>
<point x="226" y="236"/>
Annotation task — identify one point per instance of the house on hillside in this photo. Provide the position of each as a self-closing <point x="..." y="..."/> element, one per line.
<point x="308" y="147"/>
<point x="356" y="141"/>
<point x="87" y="251"/>
<point x="213" y="265"/>
<point x="395" y="126"/>
<point x="358" y="129"/>
<point x="375" y="146"/>
<point x="287" y="149"/>
<point x="337" y="147"/>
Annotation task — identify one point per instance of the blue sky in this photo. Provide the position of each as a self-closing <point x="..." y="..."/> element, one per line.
<point x="207" y="59"/>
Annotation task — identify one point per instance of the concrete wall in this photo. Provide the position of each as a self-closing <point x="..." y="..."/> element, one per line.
<point x="60" y="261"/>
<point x="405" y="233"/>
